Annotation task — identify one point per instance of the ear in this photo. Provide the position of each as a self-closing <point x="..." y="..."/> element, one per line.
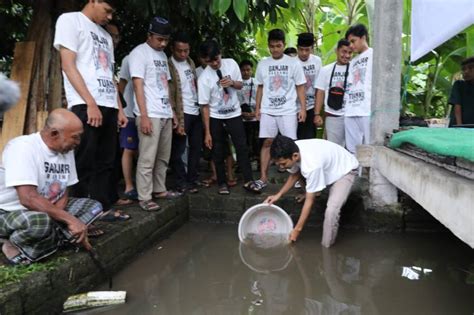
<point x="54" y="133"/>
<point x="295" y="156"/>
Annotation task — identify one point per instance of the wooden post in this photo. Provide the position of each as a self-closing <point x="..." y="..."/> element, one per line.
<point x="22" y="71"/>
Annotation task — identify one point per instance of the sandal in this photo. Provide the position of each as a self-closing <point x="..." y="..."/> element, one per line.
<point x="232" y="182"/>
<point x="252" y="187"/>
<point x="223" y="190"/>
<point x="300" y="198"/>
<point x="193" y="190"/>
<point x="168" y="195"/>
<point x="149" y="205"/>
<point x="93" y="231"/>
<point x="123" y="202"/>
<point x="260" y="184"/>
<point x="114" y="216"/>
<point x="131" y="194"/>
<point x="208" y="182"/>
<point x="19" y="260"/>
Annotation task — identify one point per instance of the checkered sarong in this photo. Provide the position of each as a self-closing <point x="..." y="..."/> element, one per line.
<point x="37" y="235"/>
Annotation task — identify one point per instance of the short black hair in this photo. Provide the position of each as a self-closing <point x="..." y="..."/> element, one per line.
<point x="283" y="148"/>
<point x="180" y="37"/>
<point x="209" y="49"/>
<point x="343" y="42"/>
<point x="245" y="62"/>
<point x="290" y="50"/>
<point x="358" y="30"/>
<point x="305" y="40"/>
<point x="467" y="61"/>
<point x="276" y="34"/>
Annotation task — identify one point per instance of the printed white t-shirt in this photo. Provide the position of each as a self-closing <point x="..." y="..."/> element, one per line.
<point x="188" y="87"/>
<point x="128" y="94"/>
<point x="27" y="160"/>
<point x="94" y="58"/>
<point x="152" y="66"/>
<point x="337" y="81"/>
<point x="359" y="86"/>
<point x="311" y="68"/>
<point x="221" y="105"/>
<point x="244" y="94"/>
<point x="279" y="78"/>
<point x="322" y="163"/>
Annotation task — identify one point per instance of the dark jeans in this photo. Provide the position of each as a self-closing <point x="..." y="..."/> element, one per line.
<point x="193" y="129"/>
<point x="307" y="130"/>
<point x="253" y="141"/>
<point x="95" y="157"/>
<point x="235" y="128"/>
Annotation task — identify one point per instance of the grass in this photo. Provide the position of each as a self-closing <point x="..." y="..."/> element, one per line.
<point x="12" y="274"/>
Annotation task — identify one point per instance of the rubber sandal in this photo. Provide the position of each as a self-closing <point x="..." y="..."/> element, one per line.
<point x="93" y="232"/>
<point x="131" y="194"/>
<point x="169" y="195"/>
<point x="208" y="182"/>
<point x="114" y="216"/>
<point x="123" y="202"/>
<point x="19" y="260"/>
<point x="223" y="190"/>
<point x="149" y="205"/>
<point x="260" y="184"/>
<point x="232" y="182"/>
<point x="252" y="187"/>
<point x="300" y="198"/>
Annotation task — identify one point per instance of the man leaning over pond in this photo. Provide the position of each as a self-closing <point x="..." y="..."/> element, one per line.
<point x="36" y="214"/>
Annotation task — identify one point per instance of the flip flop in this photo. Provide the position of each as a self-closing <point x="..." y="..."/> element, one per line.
<point x="252" y="187"/>
<point x="19" y="260"/>
<point x="208" y="182"/>
<point x="93" y="232"/>
<point x="260" y="184"/>
<point x="114" y="216"/>
<point x="232" y="182"/>
<point x="169" y="195"/>
<point x="223" y="190"/>
<point x="149" y="205"/>
<point x="123" y="202"/>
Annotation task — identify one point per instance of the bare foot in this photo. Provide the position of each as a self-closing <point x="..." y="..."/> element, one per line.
<point x="9" y="249"/>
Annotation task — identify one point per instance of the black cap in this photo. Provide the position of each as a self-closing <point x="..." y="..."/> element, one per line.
<point x="160" y="26"/>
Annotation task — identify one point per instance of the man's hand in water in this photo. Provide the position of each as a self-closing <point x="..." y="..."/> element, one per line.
<point x="294" y="235"/>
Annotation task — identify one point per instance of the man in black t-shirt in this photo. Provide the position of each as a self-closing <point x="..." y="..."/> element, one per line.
<point x="462" y="95"/>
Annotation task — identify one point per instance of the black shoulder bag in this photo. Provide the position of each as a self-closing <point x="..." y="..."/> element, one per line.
<point x="335" y="93"/>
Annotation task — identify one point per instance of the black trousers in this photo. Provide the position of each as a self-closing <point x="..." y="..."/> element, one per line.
<point x="307" y="130"/>
<point x="95" y="157"/>
<point x="235" y="128"/>
<point x="253" y="141"/>
<point x="194" y="135"/>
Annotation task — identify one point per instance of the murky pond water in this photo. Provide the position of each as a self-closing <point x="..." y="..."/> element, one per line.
<point x="203" y="269"/>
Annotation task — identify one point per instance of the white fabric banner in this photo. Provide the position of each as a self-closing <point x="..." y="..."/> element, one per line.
<point x="435" y="21"/>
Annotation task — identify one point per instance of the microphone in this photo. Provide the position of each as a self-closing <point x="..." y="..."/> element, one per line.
<point x="9" y="93"/>
<point x="219" y="74"/>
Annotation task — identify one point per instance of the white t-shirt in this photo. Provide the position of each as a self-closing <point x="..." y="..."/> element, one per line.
<point x="359" y="87"/>
<point x="152" y="66"/>
<point x="128" y="94"/>
<point x="221" y="105"/>
<point x="199" y="70"/>
<point x="28" y="161"/>
<point x="311" y="68"/>
<point x="279" y="79"/>
<point x="337" y="81"/>
<point x="244" y="93"/>
<point x="322" y="163"/>
<point x="188" y="87"/>
<point x="94" y="58"/>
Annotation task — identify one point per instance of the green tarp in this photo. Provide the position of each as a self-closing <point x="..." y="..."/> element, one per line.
<point x="458" y="142"/>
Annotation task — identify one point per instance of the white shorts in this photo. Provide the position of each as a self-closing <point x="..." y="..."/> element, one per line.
<point x="270" y="126"/>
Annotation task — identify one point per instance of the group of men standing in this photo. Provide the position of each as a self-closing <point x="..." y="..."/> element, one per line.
<point x="167" y="107"/>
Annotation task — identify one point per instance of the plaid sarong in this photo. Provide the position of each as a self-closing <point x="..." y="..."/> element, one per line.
<point x="37" y="235"/>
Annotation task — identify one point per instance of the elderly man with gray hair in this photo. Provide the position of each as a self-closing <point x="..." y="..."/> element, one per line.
<point x="36" y="214"/>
